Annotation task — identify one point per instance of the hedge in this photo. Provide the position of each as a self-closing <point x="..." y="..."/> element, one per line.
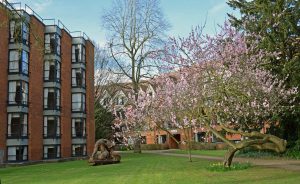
<point x="154" y="146"/>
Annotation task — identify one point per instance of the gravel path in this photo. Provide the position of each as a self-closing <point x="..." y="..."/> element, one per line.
<point x="273" y="163"/>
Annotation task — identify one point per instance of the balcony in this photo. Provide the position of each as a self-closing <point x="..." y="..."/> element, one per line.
<point x="17" y="153"/>
<point x="18" y="62"/>
<point x="78" y="128"/>
<point x="17" y="126"/>
<point x="52" y="71"/>
<point x="18" y="31"/>
<point x="78" y="150"/>
<point x="52" y="44"/>
<point x="78" y="102"/>
<point x="51" y="151"/>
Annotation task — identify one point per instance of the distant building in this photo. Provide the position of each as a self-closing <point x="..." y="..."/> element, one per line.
<point x="116" y="95"/>
<point x="46" y="88"/>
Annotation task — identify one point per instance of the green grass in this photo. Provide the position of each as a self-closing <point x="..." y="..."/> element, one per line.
<point x="142" y="169"/>
<point x="216" y="153"/>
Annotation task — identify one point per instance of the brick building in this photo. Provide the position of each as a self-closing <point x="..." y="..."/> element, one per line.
<point x="46" y="88"/>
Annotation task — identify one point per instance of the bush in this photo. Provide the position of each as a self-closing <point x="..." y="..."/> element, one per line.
<point x="294" y="152"/>
<point x="253" y="153"/>
<point x="219" y="167"/>
<point x="154" y="146"/>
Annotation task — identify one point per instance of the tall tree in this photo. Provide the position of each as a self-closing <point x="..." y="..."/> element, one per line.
<point x="277" y="22"/>
<point x="278" y="25"/>
<point x="135" y="30"/>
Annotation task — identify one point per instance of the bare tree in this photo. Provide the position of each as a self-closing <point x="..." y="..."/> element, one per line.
<point x="135" y="30"/>
<point x="104" y="77"/>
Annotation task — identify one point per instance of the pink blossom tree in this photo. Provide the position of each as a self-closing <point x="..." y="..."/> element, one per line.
<point x="216" y="82"/>
<point x="232" y="91"/>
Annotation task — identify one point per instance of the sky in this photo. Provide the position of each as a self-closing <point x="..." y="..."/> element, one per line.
<point x="85" y="15"/>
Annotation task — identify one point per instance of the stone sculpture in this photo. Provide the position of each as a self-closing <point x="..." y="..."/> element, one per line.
<point x="104" y="153"/>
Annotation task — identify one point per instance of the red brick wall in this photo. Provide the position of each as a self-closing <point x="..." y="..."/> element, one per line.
<point x="151" y="136"/>
<point x="90" y="120"/>
<point x="66" y="97"/>
<point x="35" y="117"/>
<point x="4" y="34"/>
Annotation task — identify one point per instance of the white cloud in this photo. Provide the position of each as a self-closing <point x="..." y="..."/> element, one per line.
<point x="38" y="5"/>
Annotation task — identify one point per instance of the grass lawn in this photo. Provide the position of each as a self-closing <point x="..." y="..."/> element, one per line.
<point x="141" y="169"/>
<point x="216" y="153"/>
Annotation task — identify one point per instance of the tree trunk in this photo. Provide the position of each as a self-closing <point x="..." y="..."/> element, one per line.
<point x="189" y="150"/>
<point x="228" y="157"/>
<point x="137" y="141"/>
<point x="189" y="143"/>
<point x="137" y="145"/>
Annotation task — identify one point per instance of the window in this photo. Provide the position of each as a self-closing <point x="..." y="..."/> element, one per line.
<point x="78" y="53"/>
<point x="18" y="61"/>
<point x="200" y="137"/>
<point x="17" y="125"/>
<point x="18" y="32"/>
<point x="78" y="77"/>
<point x="120" y="113"/>
<point x="52" y="43"/>
<point x="14" y="31"/>
<point x="52" y="71"/>
<point x="116" y="100"/>
<point x="120" y="100"/>
<point x="162" y="139"/>
<point x="24" y="62"/>
<point x="52" y="151"/>
<point x="78" y="150"/>
<point x="17" y="93"/>
<point x="78" y="102"/>
<point x="106" y="101"/>
<point x="144" y="140"/>
<point x="150" y="91"/>
<point x="78" y="127"/>
<point x="14" y="60"/>
<point x="51" y="127"/>
<point x="51" y="98"/>
<point x="17" y="153"/>
<point x="25" y="33"/>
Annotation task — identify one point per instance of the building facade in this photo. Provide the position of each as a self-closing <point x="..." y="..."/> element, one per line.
<point x="46" y="88"/>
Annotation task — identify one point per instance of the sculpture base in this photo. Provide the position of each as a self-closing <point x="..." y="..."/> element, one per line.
<point x="103" y="162"/>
